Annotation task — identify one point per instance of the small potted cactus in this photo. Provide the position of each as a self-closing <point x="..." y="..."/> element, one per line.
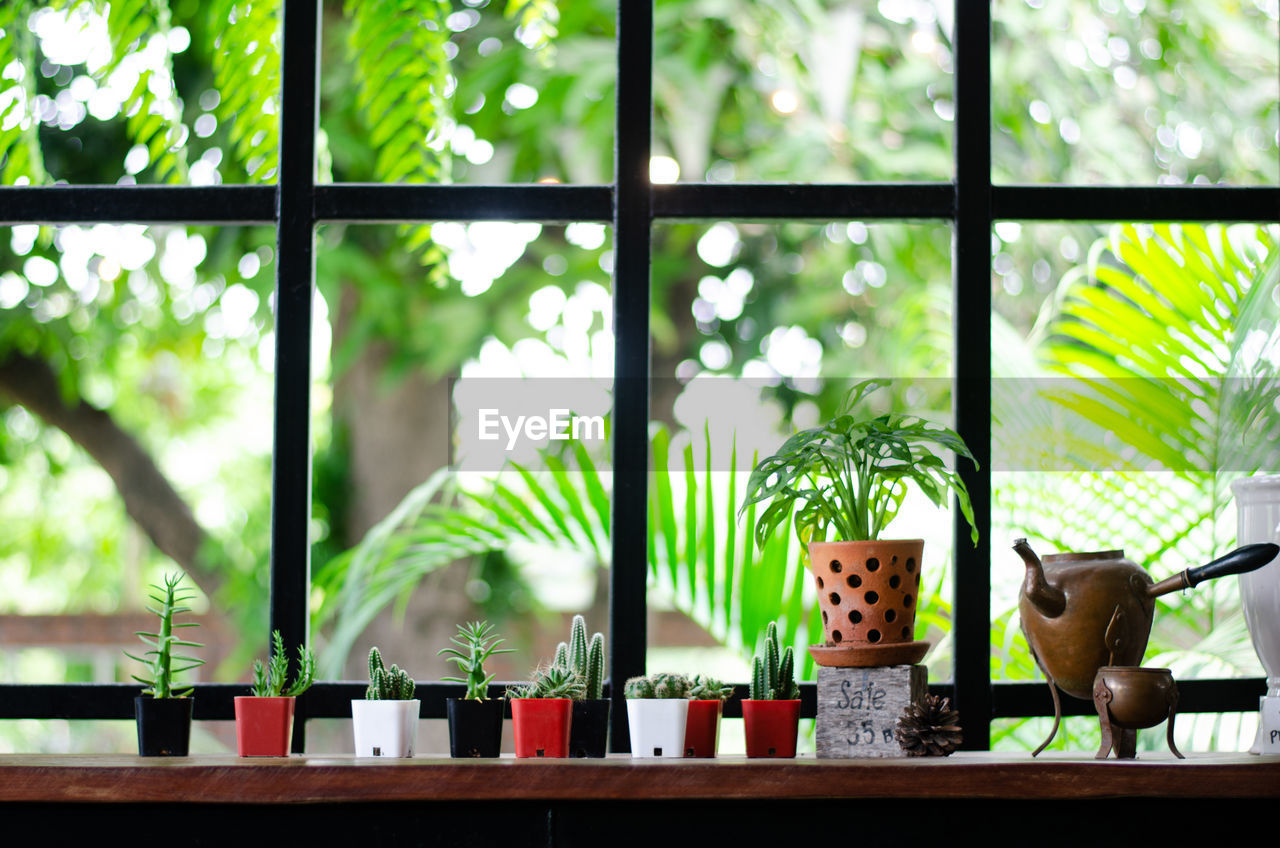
<point x="657" y="710"/>
<point x="542" y="712"/>
<point x="163" y="710"/>
<point x="589" y="734"/>
<point x="264" y="720"/>
<point x="386" y="721"/>
<point x="475" y="721"/>
<point x="772" y="713"/>
<point x="706" y="704"/>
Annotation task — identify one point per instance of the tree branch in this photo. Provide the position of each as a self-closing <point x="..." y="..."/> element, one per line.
<point x="148" y="496"/>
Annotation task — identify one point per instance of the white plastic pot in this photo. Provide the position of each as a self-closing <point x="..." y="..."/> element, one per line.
<point x="657" y="726"/>
<point x="1258" y="520"/>
<point x="385" y="728"/>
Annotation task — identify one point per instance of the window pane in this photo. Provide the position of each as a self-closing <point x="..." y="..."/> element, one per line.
<point x="759" y="329"/>
<point x="497" y="98"/>
<point x="802" y="92"/>
<point x="1135" y="92"/>
<point x="99" y="100"/>
<point x="435" y="357"/>
<point x="1130" y="365"/>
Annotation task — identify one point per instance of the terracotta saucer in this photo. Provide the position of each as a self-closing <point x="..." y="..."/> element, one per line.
<point x="864" y="654"/>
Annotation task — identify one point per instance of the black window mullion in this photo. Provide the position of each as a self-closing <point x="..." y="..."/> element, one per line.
<point x="631" y="236"/>
<point x="971" y="273"/>
<point x="295" y="274"/>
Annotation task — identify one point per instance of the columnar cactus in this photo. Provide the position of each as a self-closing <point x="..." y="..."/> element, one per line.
<point x="773" y="675"/>
<point x="387" y="684"/>
<point x="584" y="659"/>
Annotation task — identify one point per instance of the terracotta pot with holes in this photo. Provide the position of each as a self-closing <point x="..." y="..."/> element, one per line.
<point x="867" y="592"/>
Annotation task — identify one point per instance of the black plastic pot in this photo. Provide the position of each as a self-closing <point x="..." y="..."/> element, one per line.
<point x="475" y="727"/>
<point x="164" y="725"/>
<point x="589" y="733"/>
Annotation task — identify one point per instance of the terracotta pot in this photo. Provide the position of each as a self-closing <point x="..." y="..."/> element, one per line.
<point x="475" y="727"/>
<point x="164" y="725"/>
<point x="541" y="726"/>
<point x="867" y="591"/>
<point x="589" y="733"/>
<point x="702" y="730"/>
<point x="385" y="728"/>
<point x="264" y="726"/>
<point x="772" y="727"/>
<point x="657" y="726"/>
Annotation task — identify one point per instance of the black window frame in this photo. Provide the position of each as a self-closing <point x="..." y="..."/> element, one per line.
<point x="297" y="204"/>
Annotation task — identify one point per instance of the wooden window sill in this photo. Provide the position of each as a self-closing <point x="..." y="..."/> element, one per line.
<point x="310" y="779"/>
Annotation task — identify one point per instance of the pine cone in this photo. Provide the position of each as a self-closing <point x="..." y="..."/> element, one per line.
<point x="929" y="728"/>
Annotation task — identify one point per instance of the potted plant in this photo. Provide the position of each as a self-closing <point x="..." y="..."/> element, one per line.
<point x="589" y="732"/>
<point x="162" y="712"/>
<point x="264" y="719"/>
<point x="475" y="721"/>
<point x="386" y="721"/>
<point x="657" y="711"/>
<point x="542" y="712"/>
<point x="706" y="704"/>
<point x="772" y="713"/>
<point x="850" y="476"/>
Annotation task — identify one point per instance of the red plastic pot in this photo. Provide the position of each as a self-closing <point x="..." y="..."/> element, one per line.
<point x="772" y="727"/>
<point x="541" y="726"/>
<point x="702" y="728"/>
<point x="264" y="726"/>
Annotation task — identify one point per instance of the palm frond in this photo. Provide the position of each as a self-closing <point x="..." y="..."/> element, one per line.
<point x="20" y="154"/>
<point x="246" y="70"/>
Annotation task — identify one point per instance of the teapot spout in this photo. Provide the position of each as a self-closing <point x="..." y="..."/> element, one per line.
<point x="1048" y="600"/>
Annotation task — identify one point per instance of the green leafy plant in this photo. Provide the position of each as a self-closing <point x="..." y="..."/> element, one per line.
<point x="851" y="474"/>
<point x="271" y="680"/>
<point x="161" y="659"/>
<point x="773" y="672"/>
<point x="554" y="681"/>
<point x="659" y="686"/>
<point x="705" y="688"/>
<point x="584" y="659"/>
<point x="474" y="644"/>
<point x="387" y="684"/>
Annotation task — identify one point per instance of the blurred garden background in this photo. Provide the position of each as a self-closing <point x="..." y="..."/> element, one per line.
<point x="136" y="360"/>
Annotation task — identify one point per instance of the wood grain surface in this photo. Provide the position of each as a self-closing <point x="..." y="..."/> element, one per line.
<point x="327" y="779"/>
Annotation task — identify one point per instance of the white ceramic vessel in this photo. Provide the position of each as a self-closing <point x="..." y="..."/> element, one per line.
<point x="385" y="728"/>
<point x="1258" y="520"/>
<point x="657" y="726"/>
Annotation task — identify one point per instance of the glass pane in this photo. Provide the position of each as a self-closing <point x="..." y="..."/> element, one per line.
<point x="496" y="98"/>
<point x="92" y="98"/>
<point x="438" y="364"/>
<point x="760" y="329"/>
<point x="1131" y="364"/>
<point x="1135" y="91"/>
<point x="802" y="92"/>
<point x="1082" y="735"/>
<point x="135" y="441"/>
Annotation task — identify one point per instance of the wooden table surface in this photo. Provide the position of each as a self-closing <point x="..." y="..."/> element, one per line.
<point x="312" y="779"/>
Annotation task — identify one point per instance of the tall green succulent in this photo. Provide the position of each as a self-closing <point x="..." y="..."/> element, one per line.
<point x="554" y="681"/>
<point x="661" y="685"/>
<point x="269" y="680"/>
<point x="583" y="658"/>
<point x="475" y="643"/>
<point x="773" y="674"/>
<point x="162" y="663"/>
<point x="387" y="684"/>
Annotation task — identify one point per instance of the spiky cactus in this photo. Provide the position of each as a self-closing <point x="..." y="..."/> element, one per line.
<point x="583" y="658"/>
<point x="270" y="680"/>
<point x="658" y="686"/>
<point x="161" y="661"/>
<point x="706" y="688"/>
<point x="476" y="642"/>
<point x="552" y="682"/>
<point x="387" y="684"/>
<point x="773" y="674"/>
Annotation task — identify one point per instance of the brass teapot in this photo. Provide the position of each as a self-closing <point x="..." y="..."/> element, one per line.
<point x="1083" y="611"/>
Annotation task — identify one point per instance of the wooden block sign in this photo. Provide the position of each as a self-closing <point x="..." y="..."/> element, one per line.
<point x="859" y="707"/>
